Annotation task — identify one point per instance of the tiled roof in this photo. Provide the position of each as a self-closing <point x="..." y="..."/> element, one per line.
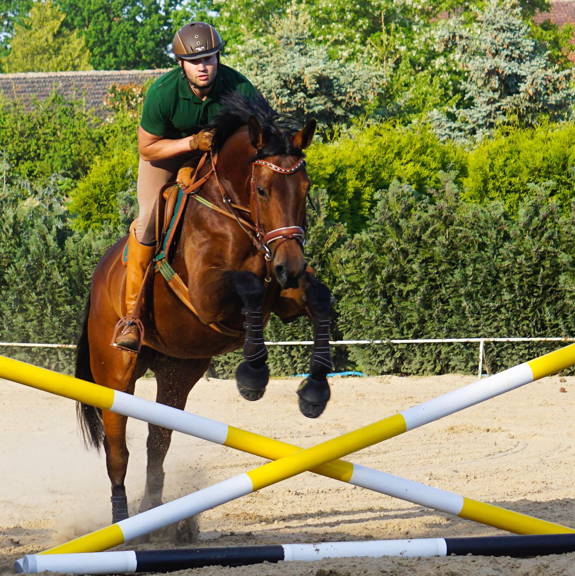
<point x="90" y="86"/>
<point x="560" y="13"/>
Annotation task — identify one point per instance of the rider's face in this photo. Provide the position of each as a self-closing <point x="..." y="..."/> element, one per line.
<point x="201" y="73"/>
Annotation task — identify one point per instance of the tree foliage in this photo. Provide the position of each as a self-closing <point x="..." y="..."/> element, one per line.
<point x="123" y="34"/>
<point x="299" y="77"/>
<point x="354" y="168"/>
<point x="437" y="267"/>
<point x="55" y="137"/>
<point x="106" y="196"/>
<point x="42" y="43"/>
<point x="44" y="270"/>
<point x="11" y="13"/>
<point x="508" y="78"/>
<point x="514" y="166"/>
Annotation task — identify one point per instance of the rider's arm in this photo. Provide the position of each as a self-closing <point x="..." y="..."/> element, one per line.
<point x="152" y="147"/>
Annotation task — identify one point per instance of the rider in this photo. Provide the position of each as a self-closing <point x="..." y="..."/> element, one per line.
<point x="176" y="106"/>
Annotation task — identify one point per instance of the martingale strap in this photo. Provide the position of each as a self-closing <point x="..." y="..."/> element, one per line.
<point x="180" y="289"/>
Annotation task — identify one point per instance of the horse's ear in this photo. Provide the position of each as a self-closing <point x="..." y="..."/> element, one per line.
<point x="302" y="138"/>
<point x="257" y="135"/>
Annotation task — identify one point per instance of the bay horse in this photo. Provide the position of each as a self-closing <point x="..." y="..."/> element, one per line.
<point x="234" y="256"/>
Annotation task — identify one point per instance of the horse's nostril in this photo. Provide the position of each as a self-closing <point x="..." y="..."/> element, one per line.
<point x="281" y="274"/>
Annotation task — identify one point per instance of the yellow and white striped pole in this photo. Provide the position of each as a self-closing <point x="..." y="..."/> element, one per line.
<point x="272" y="449"/>
<point x="301" y="460"/>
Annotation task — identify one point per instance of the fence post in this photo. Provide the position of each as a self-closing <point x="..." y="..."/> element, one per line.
<point x="481" y="352"/>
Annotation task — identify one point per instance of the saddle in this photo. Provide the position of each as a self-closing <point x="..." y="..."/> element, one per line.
<point x="169" y="213"/>
<point x="173" y="200"/>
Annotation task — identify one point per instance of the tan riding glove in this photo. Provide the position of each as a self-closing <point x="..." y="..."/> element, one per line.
<point x="201" y="141"/>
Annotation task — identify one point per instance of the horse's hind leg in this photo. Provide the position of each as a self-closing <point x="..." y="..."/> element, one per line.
<point x="175" y="378"/>
<point x="314" y="392"/>
<point x="252" y="374"/>
<point x="122" y="378"/>
<point x="116" y="462"/>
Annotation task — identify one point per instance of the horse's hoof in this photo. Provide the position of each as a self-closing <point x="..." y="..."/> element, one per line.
<point x="252" y="380"/>
<point x="187" y="531"/>
<point x="313" y="396"/>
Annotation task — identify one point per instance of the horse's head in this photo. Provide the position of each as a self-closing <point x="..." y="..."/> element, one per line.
<point x="276" y="185"/>
<point x="278" y="188"/>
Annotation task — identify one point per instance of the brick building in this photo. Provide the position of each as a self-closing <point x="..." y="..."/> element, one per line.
<point x="561" y="12"/>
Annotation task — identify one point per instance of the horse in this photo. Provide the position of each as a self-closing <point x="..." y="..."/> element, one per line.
<point x="232" y="257"/>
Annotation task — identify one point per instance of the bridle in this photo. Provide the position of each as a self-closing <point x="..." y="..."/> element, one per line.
<point x="252" y="226"/>
<point x="284" y="233"/>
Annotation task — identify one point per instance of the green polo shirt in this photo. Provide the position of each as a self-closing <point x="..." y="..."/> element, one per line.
<point x="172" y="110"/>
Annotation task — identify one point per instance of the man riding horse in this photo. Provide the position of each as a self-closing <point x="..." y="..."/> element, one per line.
<point x="176" y="106"/>
<point x="232" y="254"/>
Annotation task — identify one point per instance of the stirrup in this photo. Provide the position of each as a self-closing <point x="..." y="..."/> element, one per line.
<point x="121" y="326"/>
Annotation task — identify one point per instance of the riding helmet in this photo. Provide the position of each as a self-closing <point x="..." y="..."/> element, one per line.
<point x="196" y="40"/>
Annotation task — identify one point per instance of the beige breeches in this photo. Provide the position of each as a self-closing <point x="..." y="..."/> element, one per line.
<point x="152" y="176"/>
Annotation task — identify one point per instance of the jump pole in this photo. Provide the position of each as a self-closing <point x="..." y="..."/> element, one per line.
<point x="183" y="559"/>
<point x="357" y="475"/>
<point x="168" y="417"/>
<point x="325" y="452"/>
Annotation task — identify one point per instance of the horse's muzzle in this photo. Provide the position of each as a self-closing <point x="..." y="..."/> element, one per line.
<point x="285" y="279"/>
<point x="289" y="264"/>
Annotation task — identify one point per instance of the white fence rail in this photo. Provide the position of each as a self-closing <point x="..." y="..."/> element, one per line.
<point x="392" y="341"/>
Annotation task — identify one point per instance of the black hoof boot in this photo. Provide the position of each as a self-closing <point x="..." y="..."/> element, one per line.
<point x="313" y="396"/>
<point x="119" y="504"/>
<point x="252" y="379"/>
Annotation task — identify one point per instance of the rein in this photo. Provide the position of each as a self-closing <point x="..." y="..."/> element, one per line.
<point x="241" y="214"/>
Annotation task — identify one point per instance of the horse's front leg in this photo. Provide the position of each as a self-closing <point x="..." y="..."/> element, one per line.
<point x="252" y="374"/>
<point x="314" y="392"/>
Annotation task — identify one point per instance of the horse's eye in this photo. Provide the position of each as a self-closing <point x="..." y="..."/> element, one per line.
<point x="261" y="190"/>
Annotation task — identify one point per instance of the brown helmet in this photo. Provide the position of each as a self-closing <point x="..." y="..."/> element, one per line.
<point x="196" y="40"/>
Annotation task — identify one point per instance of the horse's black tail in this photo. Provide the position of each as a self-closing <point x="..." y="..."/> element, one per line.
<point x="89" y="417"/>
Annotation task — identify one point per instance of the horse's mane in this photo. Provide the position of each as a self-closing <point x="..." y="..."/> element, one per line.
<point x="237" y="111"/>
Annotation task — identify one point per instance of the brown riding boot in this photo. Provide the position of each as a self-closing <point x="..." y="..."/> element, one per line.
<point x="128" y="332"/>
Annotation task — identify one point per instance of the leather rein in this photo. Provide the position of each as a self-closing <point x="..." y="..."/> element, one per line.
<point x="250" y="225"/>
<point x="244" y="218"/>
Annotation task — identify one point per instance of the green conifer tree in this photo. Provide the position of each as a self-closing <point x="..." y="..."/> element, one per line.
<point x="40" y="43"/>
<point x="509" y="78"/>
<point x="301" y="79"/>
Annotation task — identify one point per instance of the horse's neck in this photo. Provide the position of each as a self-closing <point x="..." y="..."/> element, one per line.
<point x="224" y="198"/>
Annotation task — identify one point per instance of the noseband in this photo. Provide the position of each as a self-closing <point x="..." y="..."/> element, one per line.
<point x="278" y="234"/>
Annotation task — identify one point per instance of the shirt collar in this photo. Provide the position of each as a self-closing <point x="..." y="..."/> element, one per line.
<point x="184" y="90"/>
